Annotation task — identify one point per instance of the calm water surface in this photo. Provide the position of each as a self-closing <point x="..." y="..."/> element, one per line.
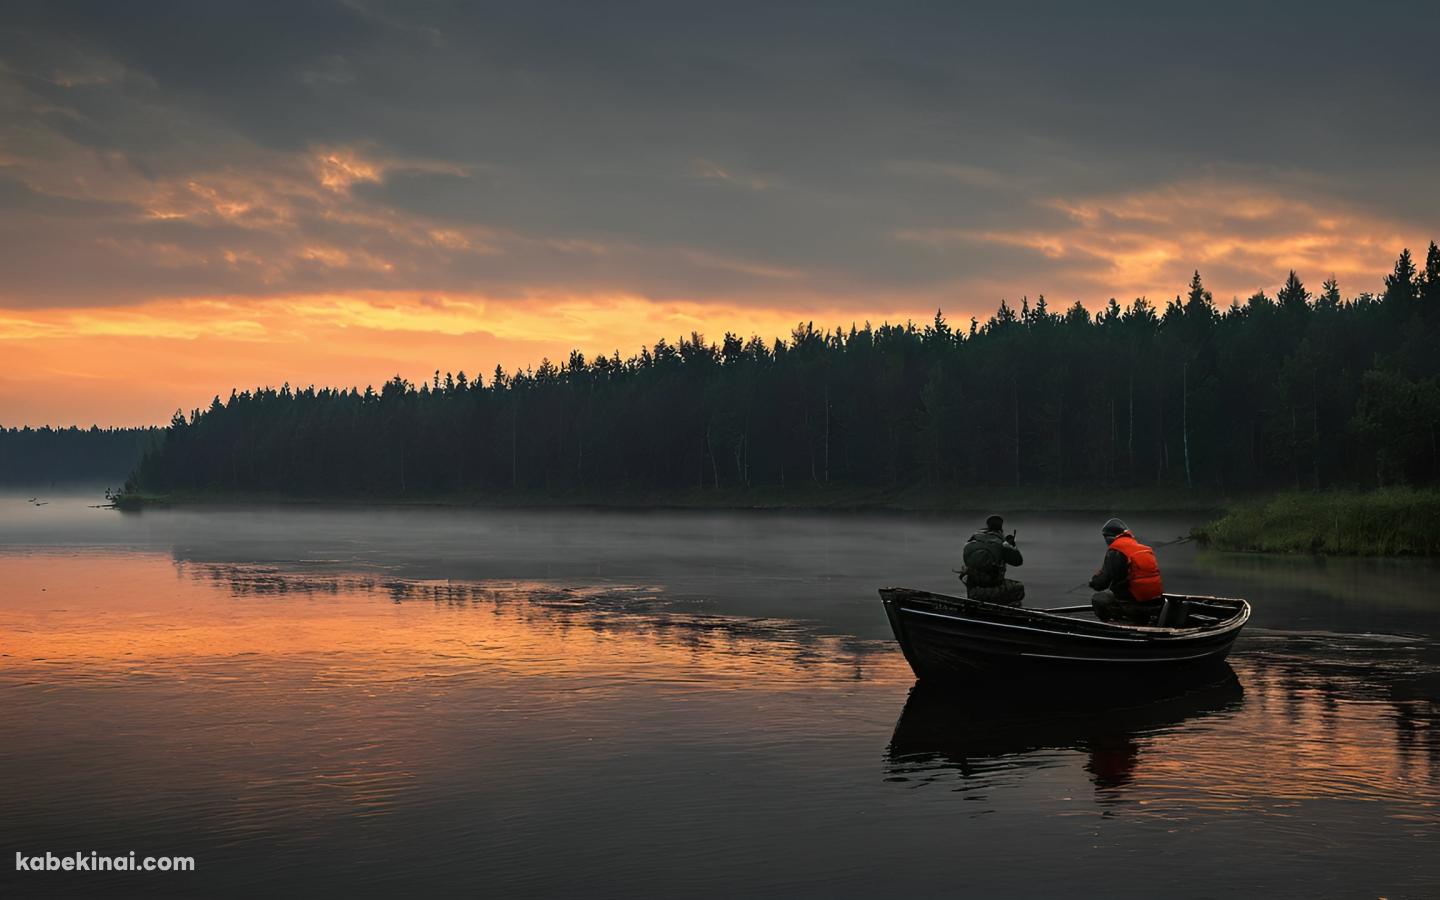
<point x="559" y="702"/>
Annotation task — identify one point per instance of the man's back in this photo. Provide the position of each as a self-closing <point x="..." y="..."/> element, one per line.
<point x="986" y="556"/>
<point x="987" y="553"/>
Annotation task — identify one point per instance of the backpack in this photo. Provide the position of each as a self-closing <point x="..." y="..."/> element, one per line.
<point x="982" y="555"/>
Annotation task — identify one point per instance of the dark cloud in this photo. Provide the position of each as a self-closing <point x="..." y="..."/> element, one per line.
<point x="17" y="197"/>
<point x="671" y="149"/>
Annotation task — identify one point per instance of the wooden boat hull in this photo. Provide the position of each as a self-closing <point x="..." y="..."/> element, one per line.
<point x="957" y="639"/>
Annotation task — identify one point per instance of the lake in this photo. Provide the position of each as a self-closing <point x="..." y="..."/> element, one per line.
<point x="550" y="702"/>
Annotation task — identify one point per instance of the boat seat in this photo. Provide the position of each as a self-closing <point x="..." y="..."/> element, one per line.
<point x="1173" y="613"/>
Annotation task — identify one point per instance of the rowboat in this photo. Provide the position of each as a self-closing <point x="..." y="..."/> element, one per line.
<point x="948" y="638"/>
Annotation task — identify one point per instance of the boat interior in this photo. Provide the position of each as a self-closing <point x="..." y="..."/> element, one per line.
<point x="1177" y="611"/>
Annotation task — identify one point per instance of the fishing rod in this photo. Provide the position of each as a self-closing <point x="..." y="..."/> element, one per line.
<point x="1180" y="540"/>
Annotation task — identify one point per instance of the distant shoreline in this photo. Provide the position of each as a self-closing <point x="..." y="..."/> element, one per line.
<point x="808" y="499"/>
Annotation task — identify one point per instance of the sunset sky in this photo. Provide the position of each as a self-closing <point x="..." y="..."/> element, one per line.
<point x="200" y="196"/>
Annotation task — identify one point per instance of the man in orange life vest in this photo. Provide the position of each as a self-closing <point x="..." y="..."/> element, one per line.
<point x="1132" y="575"/>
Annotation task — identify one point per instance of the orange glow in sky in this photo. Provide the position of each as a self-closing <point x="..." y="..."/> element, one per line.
<point x="335" y="290"/>
<point x="163" y="244"/>
<point x="137" y="364"/>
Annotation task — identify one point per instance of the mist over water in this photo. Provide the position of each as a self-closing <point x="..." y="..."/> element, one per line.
<point x="433" y="699"/>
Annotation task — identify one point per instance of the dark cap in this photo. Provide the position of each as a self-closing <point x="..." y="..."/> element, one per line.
<point x="994" y="523"/>
<point x="1113" y="529"/>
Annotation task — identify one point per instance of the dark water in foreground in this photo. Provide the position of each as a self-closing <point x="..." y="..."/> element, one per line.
<point x="463" y="702"/>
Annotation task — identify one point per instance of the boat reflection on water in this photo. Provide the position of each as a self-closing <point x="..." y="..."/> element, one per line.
<point x="941" y="734"/>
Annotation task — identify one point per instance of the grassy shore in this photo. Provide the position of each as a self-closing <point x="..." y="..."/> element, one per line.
<point x="805" y="497"/>
<point x="1392" y="522"/>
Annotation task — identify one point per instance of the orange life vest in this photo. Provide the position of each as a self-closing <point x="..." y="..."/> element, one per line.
<point x="1144" y="572"/>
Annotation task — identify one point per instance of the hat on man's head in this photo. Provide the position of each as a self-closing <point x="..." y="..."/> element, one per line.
<point x="994" y="523"/>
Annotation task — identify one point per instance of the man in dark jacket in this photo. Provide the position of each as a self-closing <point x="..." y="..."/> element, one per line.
<point x="1132" y="575"/>
<point x="986" y="555"/>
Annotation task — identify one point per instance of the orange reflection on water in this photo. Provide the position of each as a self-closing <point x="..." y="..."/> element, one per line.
<point x="135" y="612"/>
<point x="376" y="677"/>
<point x="1308" y="729"/>
<point x="248" y="696"/>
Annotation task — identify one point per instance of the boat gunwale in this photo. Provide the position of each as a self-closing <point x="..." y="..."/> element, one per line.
<point x="1138" y="634"/>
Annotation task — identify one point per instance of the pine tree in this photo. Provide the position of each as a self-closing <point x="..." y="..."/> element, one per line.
<point x="1400" y="284"/>
<point x="1199" y="305"/>
<point x="1430" y="281"/>
<point x="1293" y="298"/>
<point x="1329" y="299"/>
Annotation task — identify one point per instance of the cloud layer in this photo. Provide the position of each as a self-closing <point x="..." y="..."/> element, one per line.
<point x="481" y="181"/>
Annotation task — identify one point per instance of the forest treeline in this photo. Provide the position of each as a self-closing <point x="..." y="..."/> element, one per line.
<point x="1304" y="389"/>
<point x="35" y="457"/>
